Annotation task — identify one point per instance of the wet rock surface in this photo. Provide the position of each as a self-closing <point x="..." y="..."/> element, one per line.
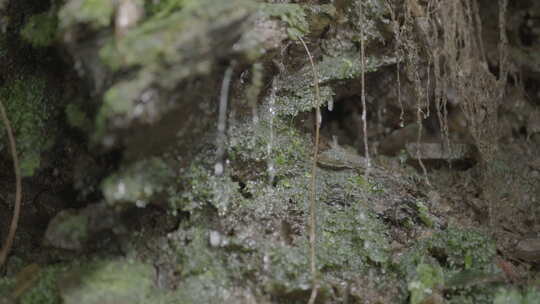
<point x="133" y="121"/>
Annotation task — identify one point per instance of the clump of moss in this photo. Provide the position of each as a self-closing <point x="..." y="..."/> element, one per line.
<point x="428" y="278"/>
<point x="207" y="273"/>
<point x="293" y="15"/>
<point x="40" y="29"/>
<point x="286" y="147"/>
<point x="182" y="44"/>
<point x="455" y="249"/>
<point x="296" y="98"/>
<point x="45" y="291"/>
<point x="77" y="118"/>
<point x="109" y="281"/>
<point x="361" y="238"/>
<point x="6" y="285"/>
<point x="95" y="13"/>
<point x="463" y="249"/>
<point x="31" y="110"/>
<point x="443" y="260"/>
<point x="352" y="240"/>
<point x="68" y="230"/>
<point x="178" y="36"/>
<point x="141" y="183"/>
<point x="164" y="8"/>
<point x="513" y="296"/>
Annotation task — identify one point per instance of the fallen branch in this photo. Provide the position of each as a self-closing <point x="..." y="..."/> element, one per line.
<point x="18" y="190"/>
<point x="313" y="200"/>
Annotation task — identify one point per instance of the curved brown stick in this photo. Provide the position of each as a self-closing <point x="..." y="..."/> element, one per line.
<point x="313" y="200"/>
<point x="18" y="192"/>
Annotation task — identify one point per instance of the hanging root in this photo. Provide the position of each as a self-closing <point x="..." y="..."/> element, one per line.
<point x="363" y="97"/>
<point x="313" y="199"/>
<point x="18" y="192"/>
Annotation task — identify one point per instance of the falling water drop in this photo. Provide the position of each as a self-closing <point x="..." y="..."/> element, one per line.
<point x="270" y="146"/>
<point x="218" y="168"/>
<point x="222" y="120"/>
<point x="254" y="90"/>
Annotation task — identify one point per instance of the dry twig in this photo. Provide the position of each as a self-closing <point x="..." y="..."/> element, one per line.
<point x="312" y="204"/>
<point x="18" y="191"/>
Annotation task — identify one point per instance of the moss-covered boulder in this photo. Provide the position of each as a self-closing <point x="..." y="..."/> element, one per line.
<point x="32" y="109"/>
<point x="108" y="281"/>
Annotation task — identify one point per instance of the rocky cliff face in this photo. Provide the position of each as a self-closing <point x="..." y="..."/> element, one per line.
<point x="168" y="147"/>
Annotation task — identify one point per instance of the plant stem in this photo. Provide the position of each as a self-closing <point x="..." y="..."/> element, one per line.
<point x="18" y="190"/>
<point x="313" y="200"/>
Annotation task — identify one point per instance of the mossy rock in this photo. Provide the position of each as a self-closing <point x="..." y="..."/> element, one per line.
<point x="40" y="29"/>
<point x="31" y="110"/>
<point x="95" y="13"/>
<point x="107" y="282"/>
<point x="45" y="289"/>
<point x="140" y="183"/>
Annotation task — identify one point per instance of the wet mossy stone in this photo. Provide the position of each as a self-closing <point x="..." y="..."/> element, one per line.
<point x="120" y="281"/>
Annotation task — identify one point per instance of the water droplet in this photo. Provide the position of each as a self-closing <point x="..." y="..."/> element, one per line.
<point x="270" y="145"/>
<point x="121" y="189"/>
<point x="218" y="168"/>
<point x="221" y="139"/>
<point x="140" y="203"/>
<point x="215" y="238"/>
<point x="361" y="216"/>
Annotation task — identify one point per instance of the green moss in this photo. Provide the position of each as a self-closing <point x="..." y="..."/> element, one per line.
<point x="320" y="16"/>
<point x="352" y="239"/>
<point x="428" y="278"/>
<point x="118" y="100"/>
<point x="30" y="109"/>
<point x="457" y="249"/>
<point x="40" y="29"/>
<point x="74" y="227"/>
<point x="164" y="8"/>
<point x="141" y="183"/>
<point x="198" y="187"/>
<point x="109" y="281"/>
<point x="121" y="98"/>
<point x="206" y="277"/>
<point x="77" y="118"/>
<point x="296" y="92"/>
<point x="45" y="291"/>
<point x="423" y="214"/>
<point x="184" y="43"/>
<point x="6" y="285"/>
<point x="464" y="248"/>
<point x="513" y="296"/>
<point x="296" y="98"/>
<point x="293" y="15"/>
<point x="197" y="257"/>
<point x="465" y="258"/>
<point x="177" y="36"/>
<point x="3" y="46"/>
<point x="288" y="150"/>
<point x="195" y="179"/>
<point x="289" y="269"/>
<point x="347" y="66"/>
<point x="96" y="13"/>
<point x="30" y="162"/>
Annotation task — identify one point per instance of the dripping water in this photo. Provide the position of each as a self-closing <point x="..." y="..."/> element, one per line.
<point x="270" y="146"/>
<point x="222" y="120"/>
